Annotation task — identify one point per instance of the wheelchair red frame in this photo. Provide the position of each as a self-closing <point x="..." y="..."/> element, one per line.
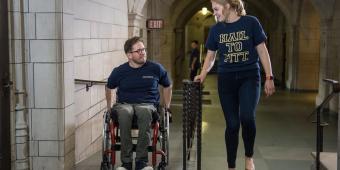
<point x="111" y="140"/>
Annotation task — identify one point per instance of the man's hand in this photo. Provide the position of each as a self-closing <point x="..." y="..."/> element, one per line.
<point x="108" y="95"/>
<point x="108" y="108"/>
<point x="168" y="111"/>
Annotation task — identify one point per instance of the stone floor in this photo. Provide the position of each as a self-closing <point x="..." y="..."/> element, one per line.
<point x="285" y="134"/>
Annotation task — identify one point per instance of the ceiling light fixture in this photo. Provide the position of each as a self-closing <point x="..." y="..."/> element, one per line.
<point x="204" y="11"/>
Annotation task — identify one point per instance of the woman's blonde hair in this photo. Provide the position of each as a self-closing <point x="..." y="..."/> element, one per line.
<point x="235" y="4"/>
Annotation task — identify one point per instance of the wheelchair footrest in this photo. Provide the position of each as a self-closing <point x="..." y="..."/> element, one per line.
<point x="117" y="147"/>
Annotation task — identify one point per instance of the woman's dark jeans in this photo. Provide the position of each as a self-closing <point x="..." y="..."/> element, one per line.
<point x="239" y="94"/>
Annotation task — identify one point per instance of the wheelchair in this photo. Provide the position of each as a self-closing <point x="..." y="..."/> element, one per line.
<point x="159" y="140"/>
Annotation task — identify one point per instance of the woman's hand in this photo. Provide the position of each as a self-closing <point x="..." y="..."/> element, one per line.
<point x="269" y="87"/>
<point x="200" y="78"/>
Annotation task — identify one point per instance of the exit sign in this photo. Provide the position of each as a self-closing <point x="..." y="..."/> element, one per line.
<point x="154" y="23"/>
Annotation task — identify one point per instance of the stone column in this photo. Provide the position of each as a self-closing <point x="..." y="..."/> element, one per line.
<point x="134" y="25"/>
<point x="42" y="69"/>
<point x="180" y="68"/>
<point x="292" y="56"/>
<point x="21" y="124"/>
<point x="324" y="61"/>
<point x="19" y="30"/>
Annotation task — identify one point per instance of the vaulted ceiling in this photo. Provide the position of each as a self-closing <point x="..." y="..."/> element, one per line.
<point x="182" y="10"/>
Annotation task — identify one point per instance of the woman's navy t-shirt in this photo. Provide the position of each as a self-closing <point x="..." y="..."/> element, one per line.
<point x="138" y="85"/>
<point x="235" y="43"/>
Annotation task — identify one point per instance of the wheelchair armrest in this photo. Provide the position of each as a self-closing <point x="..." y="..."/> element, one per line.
<point x="155" y="116"/>
<point x="114" y="115"/>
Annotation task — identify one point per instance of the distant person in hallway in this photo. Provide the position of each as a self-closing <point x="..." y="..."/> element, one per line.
<point x="240" y="42"/>
<point x="137" y="84"/>
<point x="194" y="63"/>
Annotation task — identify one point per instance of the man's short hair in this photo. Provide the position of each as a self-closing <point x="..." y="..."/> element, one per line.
<point x="194" y="41"/>
<point x="130" y="42"/>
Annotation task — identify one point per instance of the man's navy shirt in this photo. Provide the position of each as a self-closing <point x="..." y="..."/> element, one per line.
<point x="138" y="85"/>
<point x="195" y="54"/>
<point x="236" y="44"/>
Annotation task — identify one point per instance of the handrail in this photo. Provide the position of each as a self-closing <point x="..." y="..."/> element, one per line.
<point x="335" y="85"/>
<point x="89" y="83"/>
<point x="319" y="125"/>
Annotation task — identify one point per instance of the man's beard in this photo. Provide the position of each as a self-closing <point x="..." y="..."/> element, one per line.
<point x="139" y="61"/>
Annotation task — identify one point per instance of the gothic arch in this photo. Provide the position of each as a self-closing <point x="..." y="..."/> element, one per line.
<point x="136" y="6"/>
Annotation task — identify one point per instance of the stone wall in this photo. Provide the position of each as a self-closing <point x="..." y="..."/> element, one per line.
<point x="101" y="30"/>
<point x="55" y="122"/>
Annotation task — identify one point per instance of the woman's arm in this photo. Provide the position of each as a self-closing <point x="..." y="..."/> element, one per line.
<point x="208" y="64"/>
<point x="269" y="86"/>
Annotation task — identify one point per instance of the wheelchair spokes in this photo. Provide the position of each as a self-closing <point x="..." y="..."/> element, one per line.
<point x="106" y="146"/>
<point x="164" y="139"/>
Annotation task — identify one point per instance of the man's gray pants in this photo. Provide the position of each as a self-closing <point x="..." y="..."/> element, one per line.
<point x="125" y="114"/>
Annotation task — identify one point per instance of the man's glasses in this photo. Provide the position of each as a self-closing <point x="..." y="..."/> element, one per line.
<point x="139" y="51"/>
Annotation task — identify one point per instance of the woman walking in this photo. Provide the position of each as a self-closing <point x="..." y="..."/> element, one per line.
<point x="240" y="42"/>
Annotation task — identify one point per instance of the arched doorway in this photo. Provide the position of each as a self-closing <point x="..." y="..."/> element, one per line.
<point x="273" y="19"/>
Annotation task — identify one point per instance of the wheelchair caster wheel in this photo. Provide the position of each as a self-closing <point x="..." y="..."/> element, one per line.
<point x="161" y="166"/>
<point x="105" y="166"/>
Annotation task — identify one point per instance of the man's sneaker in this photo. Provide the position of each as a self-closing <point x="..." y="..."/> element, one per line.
<point x="125" y="166"/>
<point x="141" y="165"/>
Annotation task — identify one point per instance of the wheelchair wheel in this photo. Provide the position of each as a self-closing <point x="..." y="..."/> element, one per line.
<point x="165" y="130"/>
<point x="106" y="146"/>
<point x="161" y="167"/>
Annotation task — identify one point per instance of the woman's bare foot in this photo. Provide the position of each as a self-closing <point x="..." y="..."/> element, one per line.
<point x="250" y="163"/>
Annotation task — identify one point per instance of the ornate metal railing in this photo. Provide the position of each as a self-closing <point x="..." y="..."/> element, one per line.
<point x="192" y="121"/>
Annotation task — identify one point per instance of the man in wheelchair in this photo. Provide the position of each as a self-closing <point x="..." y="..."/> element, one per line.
<point x="137" y="95"/>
